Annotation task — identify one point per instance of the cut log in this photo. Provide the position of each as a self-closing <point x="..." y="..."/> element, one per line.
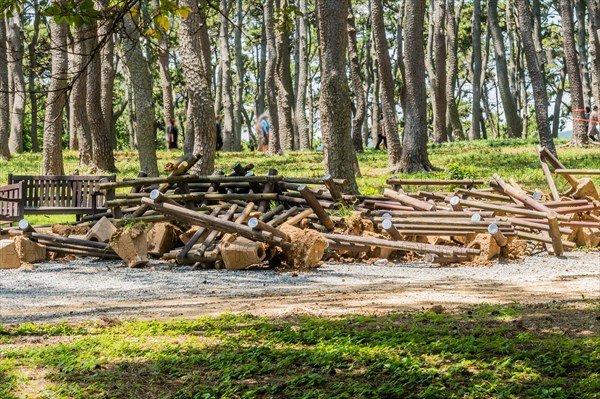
<point x="30" y="251"/>
<point x="9" y="258"/>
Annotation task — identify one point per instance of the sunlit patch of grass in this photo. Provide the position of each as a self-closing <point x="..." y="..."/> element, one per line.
<point x="475" y="352"/>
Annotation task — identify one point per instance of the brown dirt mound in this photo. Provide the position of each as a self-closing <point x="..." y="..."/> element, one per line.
<point x="307" y="250"/>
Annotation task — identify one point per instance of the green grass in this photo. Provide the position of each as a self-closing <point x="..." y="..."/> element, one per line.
<point x="515" y="159"/>
<point x="485" y="351"/>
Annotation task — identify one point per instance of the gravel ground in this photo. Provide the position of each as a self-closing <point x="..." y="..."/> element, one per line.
<point x="91" y="289"/>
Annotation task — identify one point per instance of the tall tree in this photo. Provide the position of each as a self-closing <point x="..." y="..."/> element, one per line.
<point x="335" y="96"/>
<point x="16" y="55"/>
<point x="582" y="49"/>
<point x="166" y="84"/>
<point x="226" y="79"/>
<point x="475" y="132"/>
<point x="141" y="82"/>
<point x="509" y="104"/>
<point x="300" y="109"/>
<point x="593" y="27"/>
<point x="436" y="66"/>
<point x="102" y="154"/>
<point x="79" y="117"/>
<point x="579" y="131"/>
<point x="414" y="154"/>
<point x="108" y="70"/>
<point x="52" y="158"/>
<point x="455" y="125"/>
<point x="536" y="76"/>
<point x="239" y="83"/>
<point x="193" y="38"/>
<point x="357" y="84"/>
<point x="388" y="104"/>
<point x="33" y="133"/>
<point x="275" y="134"/>
<point x="283" y="79"/>
<point x="4" y="97"/>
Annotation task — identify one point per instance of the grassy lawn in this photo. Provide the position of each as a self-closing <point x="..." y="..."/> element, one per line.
<point x="516" y="351"/>
<point x="515" y="159"/>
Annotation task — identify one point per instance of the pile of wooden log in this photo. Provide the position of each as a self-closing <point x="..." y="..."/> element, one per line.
<point x="239" y="219"/>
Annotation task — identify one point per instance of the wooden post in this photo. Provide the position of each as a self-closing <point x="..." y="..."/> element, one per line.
<point x="299" y="217"/>
<point x="391" y="229"/>
<point x="335" y="192"/>
<point x="556" y="164"/>
<point x="269" y="215"/>
<point x="25" y="227"/>
<point x="194" y="239"/>
<point x="500" y="238"/>
<point x="256" y="224"/>
<point x="309" y="197"/>
<point x="269" y="188"/>
<point x="548" y="175"/>
<point x="455" y="204"/>
<point x="557" y="244"/>
<point x="281" y="218"/>
<point x="405" y="199"/>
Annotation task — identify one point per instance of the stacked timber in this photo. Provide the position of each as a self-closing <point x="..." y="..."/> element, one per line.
<point x="240" y="219"/>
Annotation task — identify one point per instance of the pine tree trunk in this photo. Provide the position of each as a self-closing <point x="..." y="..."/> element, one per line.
<point x="414" y="153"/>
<point x="579" y="132"/>
<point x="558" y="102"/>
<point x="300" y="109"/>
<point x="193" y="36"/>
<point x="475" y="132"/>
<point x="108" y="70"/>
<point x="285" y="91"/>
<point x="275" y="134"/>
<point x="4" y="97"/>
<point x="141" y="81"/>
<point x="15" y="64"/>
<point x="440" y="55"/>
<point x="79" y="117"/>
<point x="52" y="159"/>
<point x="102" y="154"/>
<point x="509" y="105"/>
<point x="536" y="76"/>
<point x="582" y="43"/>
<point x="388" y="103"/>
<point x="166" y="85"/>
<point x="357" y="84"/>
<point x="593" y="26"/>
<point x="262" y="71"/>
<point x="455" y="125"/>
<point x="335" y="96"/>
<point x="239" y="83"/>
<point x="226" y="80"/>
<point x="33" y="133"/>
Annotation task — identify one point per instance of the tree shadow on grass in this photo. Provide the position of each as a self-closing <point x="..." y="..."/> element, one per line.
<point x="478" y="352"/>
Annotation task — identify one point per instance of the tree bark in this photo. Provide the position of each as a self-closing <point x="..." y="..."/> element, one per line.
<point x="579" y="131"/>
<point x="335" y="96"/>
<point x="16" y="55"/>
<point x="193" y="36"/>
<point x="285" y="91"/>
<point x="300" y="109"/>
<point x="226" y="79"/>
<point x="164" y="73"/>
<point x="108" y="70"/>
<point x="536" y="76"/>
<point x="558" y="102"/>
<point x="141" y="82"/>
<point x="388" y="104"/>
<point x="414" y="154"/>
<point x="52" y="158"/>
<point x="4" y="97"/>
<point x="274" y="136"/>
<point x="357" y="84"/>
<point x="33" y="133"/>
<point x="262" y="71"/>
<point x="593" y="26"/>
<point x="475" y="132"/>
<point x="102" y="154"/>
<point x="439" y="81"/>
<point x="509" y="104"/>
<point x="239" y="83"/>
<point x="455" y="124"/>
<point x="79" y="117"/>
<point x="580" y="6"/>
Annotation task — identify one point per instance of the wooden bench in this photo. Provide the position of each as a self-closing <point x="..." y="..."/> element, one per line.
<point x="62" y="195"/>
<point x="11" y="203"/>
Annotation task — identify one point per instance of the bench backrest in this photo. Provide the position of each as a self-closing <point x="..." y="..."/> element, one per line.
<point x="11" y="202"/>
<point x="61" y="191"/>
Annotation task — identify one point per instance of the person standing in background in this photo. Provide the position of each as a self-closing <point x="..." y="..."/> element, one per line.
<point x="172" y="133"/>
<point x="593" y="122"/>
<point x="219" y="133"/>
<point x="263" y="129"/>
<point x="381" y="138"/>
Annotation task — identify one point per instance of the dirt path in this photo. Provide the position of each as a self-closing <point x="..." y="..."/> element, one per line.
<point x="92" y="290"/>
